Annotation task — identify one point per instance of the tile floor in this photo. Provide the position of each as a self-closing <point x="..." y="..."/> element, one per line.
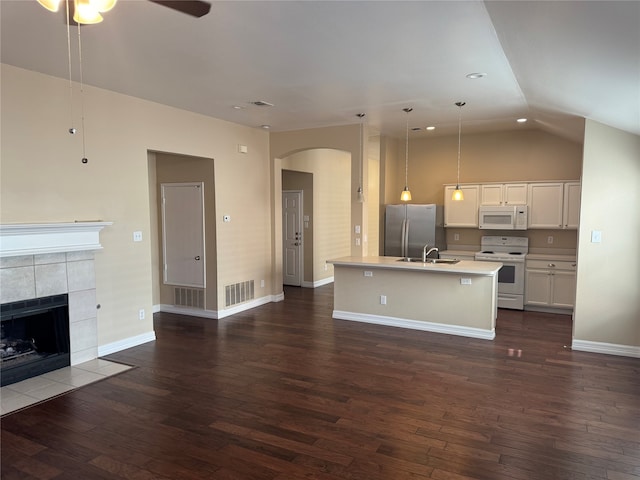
<point x="33" y="390"/>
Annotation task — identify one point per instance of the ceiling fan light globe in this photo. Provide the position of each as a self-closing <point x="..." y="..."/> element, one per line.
<point x="51" y="5"/>
<point x="103" y="5"/>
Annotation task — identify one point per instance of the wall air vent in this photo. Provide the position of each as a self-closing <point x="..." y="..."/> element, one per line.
<point x="238" y="293"/>
<point x="188" y="297"/>
<point x="261" y="103"/>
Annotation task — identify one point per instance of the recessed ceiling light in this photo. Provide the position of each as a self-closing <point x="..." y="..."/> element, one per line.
<point x="238" y="107"/>
<point x="521" y="120"/>
<point x="416" y="129"/>
<point x="262" y="103"/>
<point x="266" y="127"/>
<point x="430" y="128"/>
<point x="476" y="75"/>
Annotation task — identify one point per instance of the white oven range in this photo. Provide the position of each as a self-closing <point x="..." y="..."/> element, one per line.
<point x="511" y="252"/>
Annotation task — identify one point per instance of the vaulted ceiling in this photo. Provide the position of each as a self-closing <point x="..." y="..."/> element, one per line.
<point x="321" y="62"/>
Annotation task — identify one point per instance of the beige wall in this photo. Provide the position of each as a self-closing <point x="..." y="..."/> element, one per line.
<point x="184" y="169"/>
<point x="43" y="180"/>
<point x="490" y="157"/>
<point x="607" y="295"/>
<point x="303" y="181"/>
<point x="331" y="217"/>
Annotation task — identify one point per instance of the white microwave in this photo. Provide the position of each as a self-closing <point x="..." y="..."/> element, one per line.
<point x="503" y="218"/>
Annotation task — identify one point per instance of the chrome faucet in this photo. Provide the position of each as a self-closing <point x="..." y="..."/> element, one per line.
<point x="426" y="253"/>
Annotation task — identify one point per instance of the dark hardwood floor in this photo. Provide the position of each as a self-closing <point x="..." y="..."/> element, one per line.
<point x="284" y="392"/>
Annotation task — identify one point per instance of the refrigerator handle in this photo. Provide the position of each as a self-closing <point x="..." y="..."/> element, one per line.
<point x="405" y="238"/>
<point x="402" y="237"/>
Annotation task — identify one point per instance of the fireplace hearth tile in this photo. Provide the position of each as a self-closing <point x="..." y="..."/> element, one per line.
<point x="33" y="390"/>
<point x="11" y="401"/>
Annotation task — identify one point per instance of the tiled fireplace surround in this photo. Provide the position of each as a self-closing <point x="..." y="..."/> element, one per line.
<point x="55" y="272"/>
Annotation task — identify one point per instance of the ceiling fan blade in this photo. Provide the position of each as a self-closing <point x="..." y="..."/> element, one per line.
<point x="196" y="8"/>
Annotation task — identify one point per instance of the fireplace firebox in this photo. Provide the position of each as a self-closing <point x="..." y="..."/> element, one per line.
<point x="34" y="337"/>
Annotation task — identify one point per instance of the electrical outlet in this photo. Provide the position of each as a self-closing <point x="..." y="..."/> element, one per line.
<point x="368" y="273"/>
<point x="550" y="239"/>
<point x="137" y="236"/>
<point x="465" y="281"/>
<point x="456" y="237"/>
<point x="141" y="314"/>
<point x="383" y="299"/>
<point x="261" y="283"/>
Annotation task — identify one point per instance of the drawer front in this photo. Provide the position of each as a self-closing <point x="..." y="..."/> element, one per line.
<point x="550" y="265"/>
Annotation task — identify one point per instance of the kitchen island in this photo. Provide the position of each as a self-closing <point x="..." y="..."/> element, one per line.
<point x="457" y="299"/>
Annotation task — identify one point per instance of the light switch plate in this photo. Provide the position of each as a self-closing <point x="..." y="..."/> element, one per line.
<point x="596" y="236"/>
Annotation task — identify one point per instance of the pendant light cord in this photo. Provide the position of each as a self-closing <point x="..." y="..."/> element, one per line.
<point x="72" y="130"/>
<point x="460" y="105"/>
<point x="406" y="154"/>
<point x="84" y="154"/>
<point x="406" y="151"/>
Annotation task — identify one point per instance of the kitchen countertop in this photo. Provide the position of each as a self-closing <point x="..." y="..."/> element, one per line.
<point x="464" y="266"/>
<point x="545" y="256"/>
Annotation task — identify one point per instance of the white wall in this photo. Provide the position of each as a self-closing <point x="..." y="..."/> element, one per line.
<point x="607" y="312"/>
<point x="43" y="180"/>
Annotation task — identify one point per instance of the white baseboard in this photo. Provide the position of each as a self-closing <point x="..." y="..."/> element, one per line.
<point x="416" y="325"/>
<point x="607" y="348"/>
<point x="114" y="347"/>
<point x="318" y="283"/>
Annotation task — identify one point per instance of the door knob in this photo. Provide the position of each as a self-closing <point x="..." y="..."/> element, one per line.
<point x="197" y="257"/>
<point x="296" y="244"/>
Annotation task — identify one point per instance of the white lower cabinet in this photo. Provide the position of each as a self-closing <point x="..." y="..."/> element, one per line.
<point x="550" y="283"/>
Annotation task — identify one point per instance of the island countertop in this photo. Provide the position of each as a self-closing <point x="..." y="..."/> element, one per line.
<point x="467" y="267"/>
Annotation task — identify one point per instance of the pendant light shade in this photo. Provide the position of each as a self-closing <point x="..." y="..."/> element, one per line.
<point x="51" y="5"/>
<point x="457" y="193"/>
<point x="86" y="13"/>
<point x="405" y="196"/>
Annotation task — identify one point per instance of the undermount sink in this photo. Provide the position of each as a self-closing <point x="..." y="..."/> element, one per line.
<point x="448" y="261"/>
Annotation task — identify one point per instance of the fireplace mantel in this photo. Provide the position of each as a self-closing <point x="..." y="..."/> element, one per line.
<point x="38" y="238"/>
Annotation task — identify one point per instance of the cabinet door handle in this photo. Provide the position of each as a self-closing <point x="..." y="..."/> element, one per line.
<point x="551" y="265"/>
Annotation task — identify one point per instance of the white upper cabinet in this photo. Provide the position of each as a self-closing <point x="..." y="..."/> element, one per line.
<point x="554" y="205"/>
<point x="571" y="212"/>
<point x="546" y="205"/>
<point x="503" y="194"/>
<point x="462" y="213"/>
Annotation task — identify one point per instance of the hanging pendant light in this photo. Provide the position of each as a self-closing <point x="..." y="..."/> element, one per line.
<point x="457" y="193"/>
<point x="405" y="196"/>
<point x="360" y="193"/>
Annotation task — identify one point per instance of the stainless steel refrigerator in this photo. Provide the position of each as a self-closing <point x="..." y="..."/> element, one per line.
<point x="408" y="228"/>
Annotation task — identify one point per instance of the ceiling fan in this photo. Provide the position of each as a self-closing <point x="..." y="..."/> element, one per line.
<point x="89" y="11"/>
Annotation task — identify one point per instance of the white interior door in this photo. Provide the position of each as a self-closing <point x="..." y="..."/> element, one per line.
<point x="183" y="234"/>
<point x="292" y="237"/>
